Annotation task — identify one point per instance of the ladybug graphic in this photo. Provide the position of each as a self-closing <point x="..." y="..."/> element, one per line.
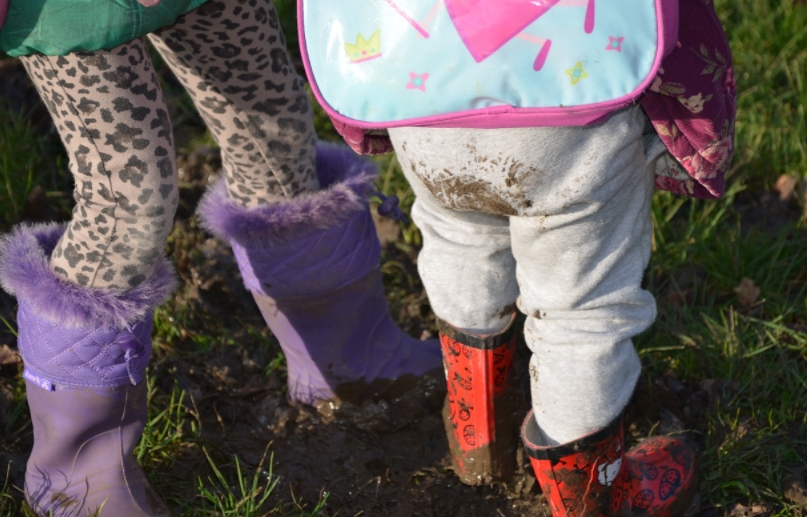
<point x="571" y="477"/>
<point x="642" y="470"/>
<point x="453" y="347"/>
<point x="469" y="435"/>
<point x="465" y="414"/>
<point x="681" y="455"/>
<point x="618" y="495"/>
<point x="466" y="351"/>
<point x="670" y="481"/>
<point x="465" y="383"/>
<point x="501" y="377"/>
<point x="643" y="500"/>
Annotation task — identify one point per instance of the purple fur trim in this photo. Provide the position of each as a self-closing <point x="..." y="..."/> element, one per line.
<point x="345" y="179"/>
<point x="25" y="272"/>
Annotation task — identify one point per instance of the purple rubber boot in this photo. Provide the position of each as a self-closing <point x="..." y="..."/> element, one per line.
<point x="85" y="352"/>
<point x="312" y="264"/>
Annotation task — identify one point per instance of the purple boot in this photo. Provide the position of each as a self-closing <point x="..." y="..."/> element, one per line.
<point x="312" y="264"/>
<point x="85" y="352"/>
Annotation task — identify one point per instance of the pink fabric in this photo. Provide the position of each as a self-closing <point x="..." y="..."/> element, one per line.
<point x="3" y="9"/>
<point x="148" y="3"/>
<point x="692" y="102"/>
<point x="361" y="141"/>
<point x="485" y="25"/>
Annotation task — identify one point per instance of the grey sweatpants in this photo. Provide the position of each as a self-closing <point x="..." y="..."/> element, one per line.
<point x="555" y="220"/>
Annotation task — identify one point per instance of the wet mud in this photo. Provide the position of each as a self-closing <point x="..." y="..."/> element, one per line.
<point x="383" y="454"/>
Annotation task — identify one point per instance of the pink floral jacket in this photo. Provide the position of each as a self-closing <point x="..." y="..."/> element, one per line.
<point x="691" y="104"/>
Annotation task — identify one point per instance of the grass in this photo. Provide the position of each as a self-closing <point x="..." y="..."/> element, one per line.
<point x="752" y="435"/>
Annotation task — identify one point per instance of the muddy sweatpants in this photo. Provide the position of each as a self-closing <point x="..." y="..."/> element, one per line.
<point x="557" y="221"/>
<point x="109" y="110"/>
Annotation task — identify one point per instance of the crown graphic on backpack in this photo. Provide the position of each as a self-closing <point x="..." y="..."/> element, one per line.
<point x="364" y="50"/>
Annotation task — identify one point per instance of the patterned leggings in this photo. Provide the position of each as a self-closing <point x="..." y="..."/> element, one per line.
<point x="108" y="107"/>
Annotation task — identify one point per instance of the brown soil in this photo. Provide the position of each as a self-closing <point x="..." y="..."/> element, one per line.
<point x="371" y="460"/>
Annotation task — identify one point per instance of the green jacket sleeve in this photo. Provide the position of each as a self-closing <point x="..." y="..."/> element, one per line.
<point x="59" y="27"/>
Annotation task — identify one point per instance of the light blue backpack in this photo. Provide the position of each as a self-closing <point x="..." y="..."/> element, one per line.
<point x="376" y="64"/>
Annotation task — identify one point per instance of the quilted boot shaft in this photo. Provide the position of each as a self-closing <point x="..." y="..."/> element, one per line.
<point x="595" y="477"/>
<point x="56" y="355"/>
<point x="483" y="404"/>
<point x="85" y="352"/>
<point x="313" y="266"/>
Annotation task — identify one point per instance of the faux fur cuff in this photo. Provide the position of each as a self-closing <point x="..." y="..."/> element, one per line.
<point x="26" y="273"/>
<point x="345" y="179"/>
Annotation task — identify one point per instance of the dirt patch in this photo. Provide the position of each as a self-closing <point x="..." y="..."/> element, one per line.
<point x="468" y="193"/>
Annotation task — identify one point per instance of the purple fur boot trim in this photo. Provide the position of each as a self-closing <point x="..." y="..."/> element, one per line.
<point x="346" y="181"/>
<point x="25" y="272"/>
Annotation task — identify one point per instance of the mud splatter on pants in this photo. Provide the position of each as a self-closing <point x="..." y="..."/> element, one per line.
<point x="109" y="110"/>
<point x="556" y="220"/>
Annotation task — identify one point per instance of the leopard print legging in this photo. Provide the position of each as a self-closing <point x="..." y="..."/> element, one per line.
<point x="231" y="57"/>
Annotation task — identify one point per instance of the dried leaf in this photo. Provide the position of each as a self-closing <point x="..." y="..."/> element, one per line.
<point x="747" y="292"/>
<point x="9" y="356"/>
<point x="672" y="89"/>
<point x="755" y="510"/>
<point x="785" y="186"/>
<point x="662" y="130"/>
<point x="795" y="489"/>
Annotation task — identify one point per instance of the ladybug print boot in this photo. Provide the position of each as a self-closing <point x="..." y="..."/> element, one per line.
<point x="483" y="405"/>
<point x="594" y="476"/>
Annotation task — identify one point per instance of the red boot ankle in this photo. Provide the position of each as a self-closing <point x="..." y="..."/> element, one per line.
<point x="595" y="477"/>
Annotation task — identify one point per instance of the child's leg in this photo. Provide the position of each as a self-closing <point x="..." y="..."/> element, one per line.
<point x="578" y="201"/>
<point x="469" y="273"/>
<point x="580" y="269"/>
<point x="578" y="206"/>
<point x="231" y="58"/>
<point x="580" y="266"/>
<point x="309" y="254"/>
<point x="86" y="294"/>
<point x="110" y="113"/>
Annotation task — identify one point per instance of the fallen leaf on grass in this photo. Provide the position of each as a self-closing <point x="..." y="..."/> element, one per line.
<point x="8" y="356"/>
<point x="747" y="292"/>
<point x="795" y="489"/>
<point x="755" y="510"/>
<point x="785" y="186"/>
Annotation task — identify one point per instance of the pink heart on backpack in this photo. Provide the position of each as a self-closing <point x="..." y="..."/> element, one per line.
<point x="486" y="25"/>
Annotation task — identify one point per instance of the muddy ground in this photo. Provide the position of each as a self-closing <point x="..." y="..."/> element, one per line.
<point x="376" y="460"/>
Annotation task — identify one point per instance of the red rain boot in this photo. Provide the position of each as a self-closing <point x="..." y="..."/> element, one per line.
<point x="482" y="405"/>
<point x="594" y="476"/>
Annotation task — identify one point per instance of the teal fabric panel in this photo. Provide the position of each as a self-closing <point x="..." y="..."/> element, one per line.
<point x="59" y="27"/>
